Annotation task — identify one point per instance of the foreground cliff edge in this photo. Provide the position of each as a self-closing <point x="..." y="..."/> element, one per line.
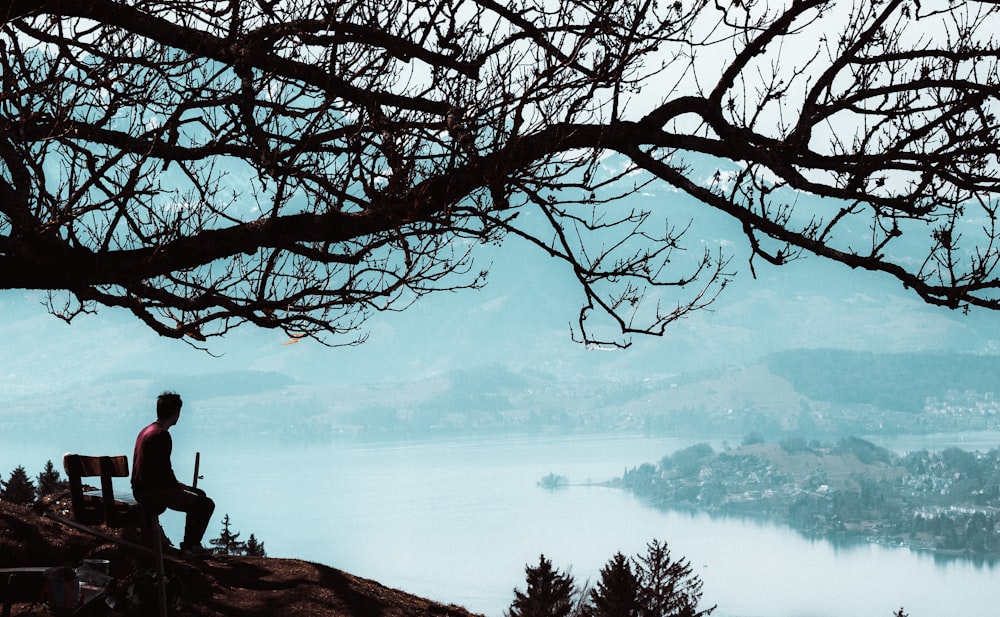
<point x="217" y="586"/>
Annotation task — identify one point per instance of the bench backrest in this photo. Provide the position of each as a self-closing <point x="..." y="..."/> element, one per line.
<point x="91" y="507"/>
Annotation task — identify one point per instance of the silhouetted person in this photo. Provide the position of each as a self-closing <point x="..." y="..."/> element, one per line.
<point x="153" y="481"/>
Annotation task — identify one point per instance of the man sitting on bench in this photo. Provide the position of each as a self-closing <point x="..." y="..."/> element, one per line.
<point x="153" y="481"/>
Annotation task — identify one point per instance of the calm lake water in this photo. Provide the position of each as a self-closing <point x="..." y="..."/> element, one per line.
<point x="457" y="521"/>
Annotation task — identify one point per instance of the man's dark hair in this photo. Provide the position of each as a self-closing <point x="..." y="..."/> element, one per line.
<point x="167" y="404"/>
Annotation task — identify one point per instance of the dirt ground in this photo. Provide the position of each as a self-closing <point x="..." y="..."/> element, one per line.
<point x="216" y="586"/>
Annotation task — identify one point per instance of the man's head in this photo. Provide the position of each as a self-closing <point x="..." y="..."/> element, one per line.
<point x="168" y="407"/>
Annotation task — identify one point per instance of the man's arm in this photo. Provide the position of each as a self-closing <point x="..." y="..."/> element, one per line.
<point x="158" y="472"/>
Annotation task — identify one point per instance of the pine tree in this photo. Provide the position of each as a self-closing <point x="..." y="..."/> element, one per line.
<point x="549" y="593"/>
<point x="618" y="593"/>
<point x="19" y="488"/>
<point x="49" y="481"/>
<point x="255" y="548"/>
<point x="669" y="588"/>
<point x="228" y="542"/>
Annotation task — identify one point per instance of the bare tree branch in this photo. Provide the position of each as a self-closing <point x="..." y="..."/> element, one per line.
<point x="302" y="166"/>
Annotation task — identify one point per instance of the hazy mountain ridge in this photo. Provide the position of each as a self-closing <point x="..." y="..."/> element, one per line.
<point x="810" y="392"/>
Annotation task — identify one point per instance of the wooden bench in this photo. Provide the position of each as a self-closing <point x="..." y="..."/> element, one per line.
<point x="113" y="509"/>
<point x="104" y="506"/>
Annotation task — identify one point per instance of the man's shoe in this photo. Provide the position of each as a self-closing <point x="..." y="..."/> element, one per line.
<point x="193" y="550"/>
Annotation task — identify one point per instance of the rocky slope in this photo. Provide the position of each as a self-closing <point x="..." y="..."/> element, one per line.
<point x="219" y="586"/>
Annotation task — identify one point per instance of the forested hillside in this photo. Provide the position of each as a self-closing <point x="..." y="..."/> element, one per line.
<point x="898" y="381"/>
<point x="948" y="500"/>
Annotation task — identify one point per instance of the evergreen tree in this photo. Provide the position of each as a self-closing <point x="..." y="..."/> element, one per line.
<point x="549" y="593"/>
<point x="255" y="548"/>
<point x="49" y="481"/>
<point x="228" y="542"/>
<point x="618" y="593"/>
<point x="19" y="488"/>
<point x="669" y="588"/>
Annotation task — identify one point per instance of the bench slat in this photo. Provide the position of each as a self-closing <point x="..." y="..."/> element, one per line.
<point x="120" y="497"/>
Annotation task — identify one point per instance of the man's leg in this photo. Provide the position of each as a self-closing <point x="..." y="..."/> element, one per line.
<point x="199" y="509"/>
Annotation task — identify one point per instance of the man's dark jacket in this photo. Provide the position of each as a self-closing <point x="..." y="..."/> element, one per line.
<point x="151" y="469"/>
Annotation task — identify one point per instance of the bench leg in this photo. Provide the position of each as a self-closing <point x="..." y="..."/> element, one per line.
<point x="6" y="600"/>
<point x="156" y="533"/>
<point x="20" y="587"/>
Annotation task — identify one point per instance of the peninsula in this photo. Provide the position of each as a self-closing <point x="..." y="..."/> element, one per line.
<point x="946" y="501"/>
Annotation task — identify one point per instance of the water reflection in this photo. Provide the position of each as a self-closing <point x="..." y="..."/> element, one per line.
<point x="945" y="559"/>
<point x="842" y="543"/>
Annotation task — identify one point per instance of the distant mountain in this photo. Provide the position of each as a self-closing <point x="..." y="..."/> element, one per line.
<point x="805" y="391"/>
